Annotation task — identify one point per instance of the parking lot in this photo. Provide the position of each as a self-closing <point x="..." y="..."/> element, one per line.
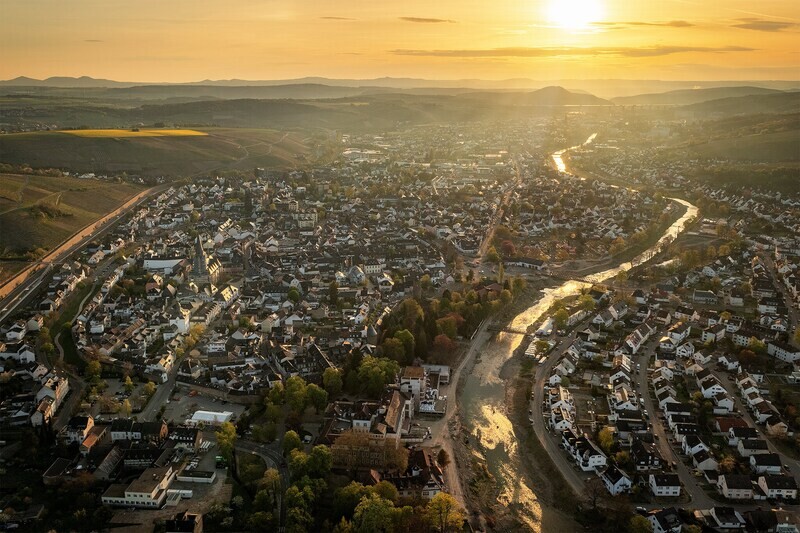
<point x="182" y="406"/>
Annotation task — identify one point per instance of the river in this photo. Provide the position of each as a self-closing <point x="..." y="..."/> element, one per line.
<point x="482" y="397"/>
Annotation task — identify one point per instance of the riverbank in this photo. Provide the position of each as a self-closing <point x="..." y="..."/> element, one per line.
<point x="499" y="496"/>
<point x="509" y="481"/>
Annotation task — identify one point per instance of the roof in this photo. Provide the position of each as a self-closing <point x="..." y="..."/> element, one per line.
<point x="413" y="372"/>
<point x="739" y="482"/>
<point x="666" y="480"/>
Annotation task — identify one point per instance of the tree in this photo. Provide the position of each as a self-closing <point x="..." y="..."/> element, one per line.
<point x="640" y="524"/>
<point x="606" y="439"/>
<point x="747" y="357"/>
<point x="226" y="440"/>
<point x="727" y="464"/>
<point x="374" y="514"/>
<point x="149" y="388"/>
<point x="271" y="483"/>
<point x="444" y="344"/>
<point x="443" y="458"/>
<point x="374" y="373"/>
<point x="296" y="393"/>
<point x="125" y="408"/>
<point x="129" y="386"/>
<point x="332" y="381"/>
<point x="293" y="295"/>
<point x="561" y="317"/>
<point x="93" y="370"/>
<point x="393" y="349"/>
<point x="593" y="491"/>
<point x="261" y="521"/>
<point x="444" y="514"/>
<point x="317" y="397"/>
<point x="272" y="411"/>
<point x="542" y="346"/>
<point x="386" y="490"/>
<point x="492" y="256"/>
<point x="333" y="293"/>
<point x="291" y="441"/>
<point x="586" y="303"/>
<point x="407" y="340"/>
<point x="347" y="498"/>
<point x="501" y="272"/>
<point x="506" y="297"/>
<point x="508" y="249"/>
<point x="277" y="393"/>
<point x="797" y="335"/>
<point x="447" y="326"/>
<point x="320" y="461"/>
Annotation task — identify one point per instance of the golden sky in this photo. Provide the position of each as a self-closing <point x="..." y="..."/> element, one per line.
<point x="190" y="40"/>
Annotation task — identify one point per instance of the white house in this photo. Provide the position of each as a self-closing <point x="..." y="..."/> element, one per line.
<point x="616" y="481"/>
<point x="665" y="485"/>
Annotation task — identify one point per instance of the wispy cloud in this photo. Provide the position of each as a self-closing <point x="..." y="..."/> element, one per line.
<point x="757" y="24"/>
<point x="93" y="41"/>
<point x="423" y="20"/>
<point x="667" y="24"/>
<point x="337" y="18"/>
<point x="649" y="51"/>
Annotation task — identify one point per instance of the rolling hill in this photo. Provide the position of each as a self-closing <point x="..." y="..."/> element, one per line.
<point x="181" y="156"/>
<point x="691" y="96"/>
<point x="778" y="103"/>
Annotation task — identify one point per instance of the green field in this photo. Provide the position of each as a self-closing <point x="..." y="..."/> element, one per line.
<point x="213" y="149"/>
<point x="42" y="211"/>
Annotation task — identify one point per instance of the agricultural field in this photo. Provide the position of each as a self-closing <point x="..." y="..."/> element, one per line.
<point x="39" y="212"/>
<point x="106" y="151"/>
<point x="118" y="133"/>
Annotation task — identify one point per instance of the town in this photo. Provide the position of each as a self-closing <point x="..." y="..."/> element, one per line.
<point x="282" y="350"/>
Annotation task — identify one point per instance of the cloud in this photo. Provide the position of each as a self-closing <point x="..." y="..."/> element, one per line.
<point x="336" y="18"/>
<point x="651" y="51"/>
<point x="427" y="20"/>
<point x="93" y="41"/>
<point x="668" y="24"/>
<point x="752" y="23"/>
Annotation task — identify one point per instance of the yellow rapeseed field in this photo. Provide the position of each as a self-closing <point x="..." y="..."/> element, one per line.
<point x="138" y="133"/>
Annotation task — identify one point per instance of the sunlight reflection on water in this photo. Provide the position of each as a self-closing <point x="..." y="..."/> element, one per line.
<point x="483" y="396"/>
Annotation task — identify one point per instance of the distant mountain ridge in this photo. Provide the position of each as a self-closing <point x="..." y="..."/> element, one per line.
<point x="610" y="88"/>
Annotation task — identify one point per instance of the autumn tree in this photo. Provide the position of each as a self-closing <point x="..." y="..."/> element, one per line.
<point x="561" y="317"/>
<point x="444" y="514"/>
<point x="226" y="439"/>
<point x="443" y="458"/>
<point x="291" y="441"/>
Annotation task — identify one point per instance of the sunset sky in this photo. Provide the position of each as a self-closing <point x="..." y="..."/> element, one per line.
<point x="190" y="40"/>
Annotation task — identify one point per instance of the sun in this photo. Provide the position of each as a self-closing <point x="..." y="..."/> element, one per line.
<point x="574" y="15"/>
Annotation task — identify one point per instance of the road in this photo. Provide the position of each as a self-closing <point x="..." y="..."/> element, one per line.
<point x="699" y="498"/>
<point x="274" y="457"/>
<point x="498" y="213"/>
<point x="548" y="441"/>
<point x="787" y="298"/>
<point x="444" y="437"/>
<point x="733" y="392"/>
<point x="160" y="397"/>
